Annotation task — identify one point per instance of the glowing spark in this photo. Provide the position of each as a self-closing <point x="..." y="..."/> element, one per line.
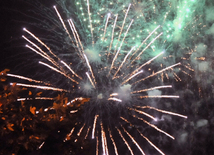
<point x="39" y="87"/>
<point x="94" y="125"/>
<point x="114" y="99"/>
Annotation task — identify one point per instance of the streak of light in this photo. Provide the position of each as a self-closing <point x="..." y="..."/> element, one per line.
<point x="157" y="87"/>
<point x="58" y="71"/>
<point x="47" y="58"/>
<point x="113" y="142"/>
<point x="159" y="96"/>
<point x="46" y="55"/>
<point x="104" y="142"/>
<point x="133" y="140"/>
<point x="123" y="62"/>
<point x="71" y="69"/>
<point x="147" y="47"/>
<point x="94" y="125"/>
<point x="157" y="72"/>
<point x="115" y="57"/>
<point x="112" y="36"/>
<point x="108" y="16"/>
<point x="163" y="111"/>
<point x="87" y="132"/>
<point x="73" y="111"/>
<point x="71" y="22"/>
<point x="148" y="62"/>
<point x="122" y="26"/>
<point x="145" y="40"/>
<point x="80" y="131"/>
<point x="114" y="99"/>
<point x="63" y="24"/>
<point x="90" y="79"/>
<point x="89" y="16"/>
<point x="40" y="42"/>
<point x="41" y="145"/>
<point x="74" y="100"/>
<point x="26" y="78"/>
<point x="97" y="146"/>
<point x="68" y="135"/>
<point x="114" y="94"/>
<point x="125" y="141"/>
<point x="74" y="34"/>
<point x="151" y="143"/>
<point x="177" y="76"/>
<point x="155" y="127"/>
<point x="144" y="113"/>
<point x="40" y="87"/>
<point x="36" y="98"/>
<point x="89" y="66"/>
<point x="131" y="77"/>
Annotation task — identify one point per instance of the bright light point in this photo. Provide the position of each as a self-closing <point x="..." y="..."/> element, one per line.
<point x="109" y="14"/>
<point x="187" y="10"/>
<point x="24" y="28"/>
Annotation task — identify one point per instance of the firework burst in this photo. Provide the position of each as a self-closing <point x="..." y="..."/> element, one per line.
<point x="110" y="72"/>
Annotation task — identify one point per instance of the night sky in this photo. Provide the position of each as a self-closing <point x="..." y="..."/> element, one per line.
<point x="193" y="136"/>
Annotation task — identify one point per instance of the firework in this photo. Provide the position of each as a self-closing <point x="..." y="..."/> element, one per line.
<point x="112" y="73"/>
